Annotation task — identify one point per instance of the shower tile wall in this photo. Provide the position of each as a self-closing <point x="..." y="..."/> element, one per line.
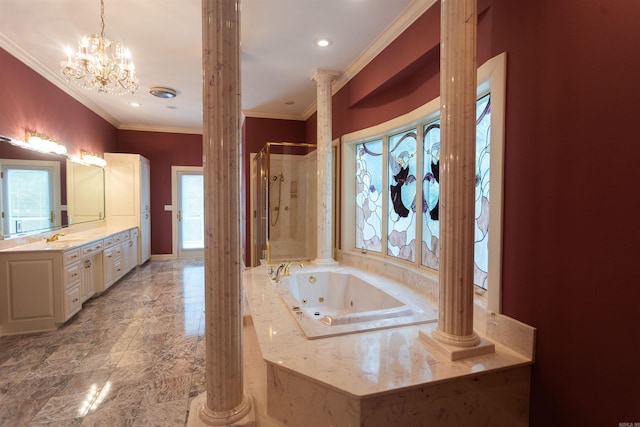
<point x="294" y="234"/>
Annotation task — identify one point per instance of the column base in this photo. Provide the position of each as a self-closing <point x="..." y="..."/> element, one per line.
<point x="242" y="416"/>
<point x="456" y="349"/>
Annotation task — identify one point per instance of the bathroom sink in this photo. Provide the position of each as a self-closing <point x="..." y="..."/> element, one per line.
<point x="60" y="244"/>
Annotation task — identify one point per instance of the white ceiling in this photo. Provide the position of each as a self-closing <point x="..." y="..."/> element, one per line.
<point x="278" y="56"/>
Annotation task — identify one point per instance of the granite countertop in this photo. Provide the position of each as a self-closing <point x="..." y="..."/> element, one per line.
<point x="69" y="240"/>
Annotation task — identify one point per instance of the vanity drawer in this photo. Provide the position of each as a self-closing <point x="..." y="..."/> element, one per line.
<point x="134" y="233"/>
<point x="71" y="274"/>
<point x="117" y="238"/>
<point x="71" y="256"/>
<point x="108" y="241"/>
<point x="72" y="301"/>
<point x="124" y="236"/>
<point x="91" y="248"/>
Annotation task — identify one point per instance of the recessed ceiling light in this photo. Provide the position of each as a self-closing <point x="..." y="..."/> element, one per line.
<point x="172" y="107"/>
<point x="322" y="42"/>
<point x="163" y="92"/>
<point x="134" y="104"/>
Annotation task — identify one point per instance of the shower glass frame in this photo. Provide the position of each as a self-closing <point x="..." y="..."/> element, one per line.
<point x="262" y="207"/>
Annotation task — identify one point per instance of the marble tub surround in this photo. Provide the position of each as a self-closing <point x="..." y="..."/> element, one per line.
<point x="358" y="372"/>
<point x="412" y="308"/>
<point x="495" y="327"/>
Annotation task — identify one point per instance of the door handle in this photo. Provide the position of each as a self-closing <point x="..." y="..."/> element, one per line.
<point x="179" y="216"/>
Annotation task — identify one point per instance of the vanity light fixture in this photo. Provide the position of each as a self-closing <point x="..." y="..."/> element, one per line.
<point x="42" y="143"/>
<point x="92" y="159"/>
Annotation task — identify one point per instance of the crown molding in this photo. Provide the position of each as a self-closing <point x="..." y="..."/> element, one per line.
<point x="162" y="129"/>
<point x="279" y="116"/>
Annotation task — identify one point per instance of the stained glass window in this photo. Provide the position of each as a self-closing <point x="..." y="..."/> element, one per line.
<point x="430" y="195"/>
<point x="369" y="194"/>
<point x="481" y="240"/>
<point x="402" y="195"/>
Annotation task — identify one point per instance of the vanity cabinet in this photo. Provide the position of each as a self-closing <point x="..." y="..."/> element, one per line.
<point x="91" y="269"/>
<point x="119" y="256"/>
<point x="130" y="250"/>
<point x="30" y="291"/>
<point x="128" y="200"/>
<point x="72" y="285"/>
<point x="43" y="285"/>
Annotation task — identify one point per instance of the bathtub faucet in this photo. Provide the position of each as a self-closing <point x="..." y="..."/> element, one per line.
<point x="276" y="277"/>
<point x="284" y="268"/>
<point x="287" y="266"/>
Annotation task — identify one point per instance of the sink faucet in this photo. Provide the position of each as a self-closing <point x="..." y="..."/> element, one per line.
<point x="54" y="237"/>
<point x="287" y="266"/>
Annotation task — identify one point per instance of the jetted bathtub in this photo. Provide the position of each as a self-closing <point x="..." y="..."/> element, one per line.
<point x="346" y="300"/>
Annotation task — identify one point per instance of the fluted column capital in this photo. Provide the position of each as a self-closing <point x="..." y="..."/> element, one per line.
<point x="322" y="75"/>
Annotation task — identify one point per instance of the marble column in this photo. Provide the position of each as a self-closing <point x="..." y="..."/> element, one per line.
<point x="224" y="403"/>
<point x="323" y="80"/>
<point x="458" y="82"/>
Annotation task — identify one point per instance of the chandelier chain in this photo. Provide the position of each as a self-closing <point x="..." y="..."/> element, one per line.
<point x="102" y="18"/>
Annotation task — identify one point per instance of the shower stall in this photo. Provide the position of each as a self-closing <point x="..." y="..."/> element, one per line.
<point x="284" y="202"/>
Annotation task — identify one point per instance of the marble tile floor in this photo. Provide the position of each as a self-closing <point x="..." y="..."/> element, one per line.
<point x="133" y="356"/>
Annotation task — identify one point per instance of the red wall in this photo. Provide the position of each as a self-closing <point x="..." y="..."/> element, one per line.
<point x="571" y="227"/>
<point x="163" y="151"/>
<point x="32" y="102"/>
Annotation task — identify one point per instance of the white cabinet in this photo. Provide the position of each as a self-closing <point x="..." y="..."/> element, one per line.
<point x="130" y="250"/>
<point x="128" y="200"/>
<point x="72" y="284"/>
<point x="91" y="269"/>
<point x="42" y="288"/>
<point x="30" y="291"/>
<point x="119" y="256"/>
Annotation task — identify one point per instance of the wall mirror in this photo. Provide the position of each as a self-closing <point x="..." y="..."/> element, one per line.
<point x="42" y="192"/>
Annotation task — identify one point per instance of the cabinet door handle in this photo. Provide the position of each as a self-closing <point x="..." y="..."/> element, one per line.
<point x="87" y="263"/>
<point x="130" y="243"/>
<point x="74" y="274"/>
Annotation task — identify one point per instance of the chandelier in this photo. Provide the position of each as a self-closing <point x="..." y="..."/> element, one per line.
<point x="101" y="64"/>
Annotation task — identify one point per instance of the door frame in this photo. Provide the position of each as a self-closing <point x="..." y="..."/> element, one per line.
<point x="175" y="171"/>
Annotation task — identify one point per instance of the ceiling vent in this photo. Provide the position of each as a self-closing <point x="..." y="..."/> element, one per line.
<point x="163" y="92"/>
